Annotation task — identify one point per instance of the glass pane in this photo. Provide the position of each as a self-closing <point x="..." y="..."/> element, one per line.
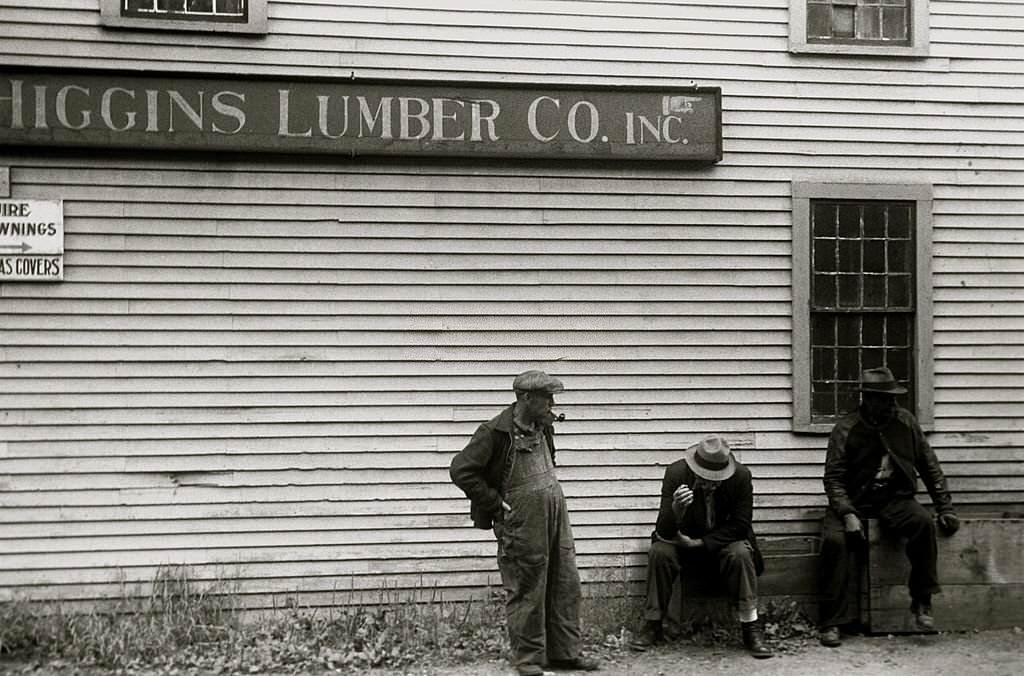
<point x="171" y="5"/>
<point x="874" y="291"/>
<point x="824" y="293"/>
<point x="848" y="330"/>
<point x="136" y="5"/>
<point x="898" y="361"/>
<point x="823" y="330"/>
<point x="899" y="256"/>
<point x="849" y="255"/>
<point x="849" y="220"/>
<point x="849" y="365"/>
<point x="825" y="255"/>
<point x="874" y="330"/>
<point x="899" y="291"/>
<point x="849" y="290"/>
<point x="229" y="6"/>
<point x="200" y="6"/>
<point x="842" y="21"/>
<point x="897" y="331"/>
<point x="849" y="399"/>
<point x="874" y="255"/>
<point x="819" y="21"/>
<point x="823" y="403"/>
<point x="874" y="220"/>
<point x="824" y="218"/>
<point x="870" y="358"/>
<point x="823" y="363"/>
<point x="894" y="23"/>
<point x="868" y="23"/>
<point x="899" y="221"/>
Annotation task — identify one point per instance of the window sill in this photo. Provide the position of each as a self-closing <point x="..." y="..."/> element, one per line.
<point x="848" y="49"/>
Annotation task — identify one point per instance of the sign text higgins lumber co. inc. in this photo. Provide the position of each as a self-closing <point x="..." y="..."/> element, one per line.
<point x="357" y="118"/>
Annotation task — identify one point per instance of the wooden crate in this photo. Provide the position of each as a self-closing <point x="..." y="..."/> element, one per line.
<point x="981" y="570"/>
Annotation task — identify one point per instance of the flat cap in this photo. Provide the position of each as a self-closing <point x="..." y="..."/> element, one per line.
<point x="537" y="381"/>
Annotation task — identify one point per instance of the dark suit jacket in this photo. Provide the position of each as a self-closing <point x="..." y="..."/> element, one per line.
<point x="734" y="508"/>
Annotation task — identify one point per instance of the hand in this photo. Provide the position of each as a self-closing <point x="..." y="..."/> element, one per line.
<point x="505" y="507"/>
<point x="682" y="497"/>
<point x="948" y="522"/>
<point x="852" y="524"/>
<point x="687" y="542"/>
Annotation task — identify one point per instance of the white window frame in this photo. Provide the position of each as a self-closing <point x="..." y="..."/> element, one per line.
<point x="919" y="193"/>
<point x="110" y="16"/>
<point x="919" y="32"/>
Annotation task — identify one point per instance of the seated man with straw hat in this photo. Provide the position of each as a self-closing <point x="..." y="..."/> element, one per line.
<point x="704" y="527"/>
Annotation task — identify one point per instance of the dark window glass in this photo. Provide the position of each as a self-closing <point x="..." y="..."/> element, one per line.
<point x="193" y="10"/>
<point x="853" y="21"/>
<point x="862" y="305"/>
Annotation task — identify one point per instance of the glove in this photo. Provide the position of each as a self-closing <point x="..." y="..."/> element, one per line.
<point x="948" y="523"/>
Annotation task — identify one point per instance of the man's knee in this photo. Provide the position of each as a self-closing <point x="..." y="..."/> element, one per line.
<point x="663" y="556"/>
<point x="737" y="554"/>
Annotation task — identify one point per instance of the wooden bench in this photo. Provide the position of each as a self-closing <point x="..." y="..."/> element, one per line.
<point x="790" y="574"/>
<point x="981" y="570"/>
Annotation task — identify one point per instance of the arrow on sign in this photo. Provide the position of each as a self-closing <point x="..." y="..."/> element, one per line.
<point x="23" y="247"/>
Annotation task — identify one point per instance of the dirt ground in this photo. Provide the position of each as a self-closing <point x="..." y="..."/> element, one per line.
<point x="986" y="653"/>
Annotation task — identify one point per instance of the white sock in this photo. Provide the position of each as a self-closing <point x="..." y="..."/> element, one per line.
<point x="747" y="615"/>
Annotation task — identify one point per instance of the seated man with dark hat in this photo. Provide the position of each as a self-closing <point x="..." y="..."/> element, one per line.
<point x="874" y="457"/>
<point x="704" y="527"/>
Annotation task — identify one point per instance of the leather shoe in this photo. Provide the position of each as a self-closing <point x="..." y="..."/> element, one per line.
<point x="829" y="637"/>
<point x="753" y="641"/>
<point x="651" y="635"/>
<point x="575" y="664"/>
<point x="923" y="615"/>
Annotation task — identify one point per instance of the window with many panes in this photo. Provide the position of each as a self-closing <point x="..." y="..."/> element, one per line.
<point x="859" y="296"/>
<point x="871" y="20"/>
<point x="224" y="16"/>
<point x="883" y="27"/>
<point x="202" y="10"/>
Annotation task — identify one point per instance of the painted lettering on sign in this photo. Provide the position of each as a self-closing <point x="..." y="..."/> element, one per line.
<point x="361" y="118"/>
<point x="31" y="240"/>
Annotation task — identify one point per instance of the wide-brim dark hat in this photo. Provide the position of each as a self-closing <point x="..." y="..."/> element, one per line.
<point x="711" y="459"/>
<point x="880" y="380"/>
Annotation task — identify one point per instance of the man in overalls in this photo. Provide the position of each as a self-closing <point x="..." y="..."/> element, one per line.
<point x="508" y="472"/>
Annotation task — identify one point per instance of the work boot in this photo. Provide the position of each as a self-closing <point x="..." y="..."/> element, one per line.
<point x="575" y="664"/>
<point x="829" y="637"/>
<point x="922" y="610"/>
<point x="753" y="641"/>
<point x="651" y="635"/>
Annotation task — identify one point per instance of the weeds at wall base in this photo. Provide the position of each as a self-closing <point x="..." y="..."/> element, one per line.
<point x="186" y="626"/>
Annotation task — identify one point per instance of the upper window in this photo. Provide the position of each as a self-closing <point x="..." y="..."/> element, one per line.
<point x="863" y="27"/>
<point x="230" y="16"/>
<point x="861" y="296"/>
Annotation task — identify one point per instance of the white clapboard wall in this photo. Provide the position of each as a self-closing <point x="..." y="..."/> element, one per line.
<point x="261" y="366"/>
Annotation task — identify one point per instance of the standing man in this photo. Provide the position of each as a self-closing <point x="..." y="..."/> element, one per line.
<point x="704" y="528"/>
<point x="871" y="467"/>
<point x="508" y="472"/>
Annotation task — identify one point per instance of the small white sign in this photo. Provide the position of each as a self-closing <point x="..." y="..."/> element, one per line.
<point x="31" y="240"/>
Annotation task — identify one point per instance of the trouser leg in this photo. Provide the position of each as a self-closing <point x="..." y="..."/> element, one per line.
<point x="736" y="567"/>
<point x="663" y="566"/>
<point x="523" y="562"/>
<point x="563" y="590"/>
<point x="838" y="575"/>
<point x="907" y="518"/>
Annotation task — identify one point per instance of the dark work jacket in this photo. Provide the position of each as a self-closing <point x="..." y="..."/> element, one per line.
<point x="479" y="468"/>
<point x="855" y="451"/>
<point x="734" y="509"/>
